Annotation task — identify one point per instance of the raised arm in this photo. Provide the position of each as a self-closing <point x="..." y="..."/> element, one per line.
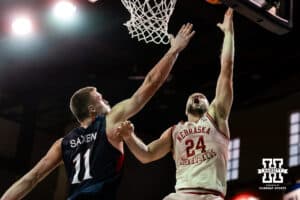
<point x="145" y="153"/>
<point x="224" y="90"/>
<point x="153" y="80"/>
<point x="221" y="105"/>
<point x="47" y="164"/>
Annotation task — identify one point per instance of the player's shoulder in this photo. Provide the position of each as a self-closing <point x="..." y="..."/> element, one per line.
<point x="57" y="145"/>
<point x="178" y="125"/>
<point x="59" y="140"/>
<point x="72" y="134"/>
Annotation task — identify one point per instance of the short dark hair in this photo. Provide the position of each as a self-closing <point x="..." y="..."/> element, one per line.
<point x="79" y="103"/>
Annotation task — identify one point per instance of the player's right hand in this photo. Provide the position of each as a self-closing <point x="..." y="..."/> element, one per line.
<point x="227" y="25"/>
<point x="182" y="38"/>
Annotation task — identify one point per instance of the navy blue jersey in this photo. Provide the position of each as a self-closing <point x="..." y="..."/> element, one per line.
<point x="94" y="167"/>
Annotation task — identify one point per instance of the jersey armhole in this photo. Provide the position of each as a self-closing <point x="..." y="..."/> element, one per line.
<point x="212" y="120"/>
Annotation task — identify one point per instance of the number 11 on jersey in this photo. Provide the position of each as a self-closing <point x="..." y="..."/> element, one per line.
<point x="87" y="174"/>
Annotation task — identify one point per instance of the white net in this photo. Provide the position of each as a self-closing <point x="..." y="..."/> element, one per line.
<point x="149" y="19"/>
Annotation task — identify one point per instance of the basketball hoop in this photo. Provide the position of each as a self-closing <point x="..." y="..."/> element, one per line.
<point x="149" y="19"/>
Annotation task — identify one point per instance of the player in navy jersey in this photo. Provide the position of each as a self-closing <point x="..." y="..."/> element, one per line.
<point x="93" y="153"/>
<point x="93" y="165"/>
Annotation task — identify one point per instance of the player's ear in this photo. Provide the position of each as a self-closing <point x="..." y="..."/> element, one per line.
<point x="91" y="109"/>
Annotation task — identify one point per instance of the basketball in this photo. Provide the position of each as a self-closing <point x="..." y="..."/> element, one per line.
<point x="214" y="2"/>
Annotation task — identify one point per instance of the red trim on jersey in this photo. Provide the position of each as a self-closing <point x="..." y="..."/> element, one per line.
<point x="120" y="163"/>
<point x="212" y="120"/>
<point x="203" y="191"/>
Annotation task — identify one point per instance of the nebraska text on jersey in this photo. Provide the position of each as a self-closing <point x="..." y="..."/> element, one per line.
<point x="185" y="132"/>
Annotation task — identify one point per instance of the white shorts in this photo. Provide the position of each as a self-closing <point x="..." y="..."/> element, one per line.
<point x="188" y="196"/>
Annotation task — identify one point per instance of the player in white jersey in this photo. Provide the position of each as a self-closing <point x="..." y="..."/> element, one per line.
<point x="199" y="145"/>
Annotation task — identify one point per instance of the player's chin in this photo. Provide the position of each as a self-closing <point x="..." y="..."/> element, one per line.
<point x="106" y="110"/>
<point x="198" y="106"/>
<point x="201" y="108"/>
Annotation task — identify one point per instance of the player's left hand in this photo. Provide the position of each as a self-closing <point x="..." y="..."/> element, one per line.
<point x="125" y="129"/>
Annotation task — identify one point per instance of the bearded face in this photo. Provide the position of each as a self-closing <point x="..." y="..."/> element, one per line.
<point x="197" y="104"/>
<point x="99" y="104"/>
<point x="103" y="107"/>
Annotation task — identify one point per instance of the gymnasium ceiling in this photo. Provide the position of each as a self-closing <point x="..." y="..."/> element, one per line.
<point x="41" y="74"/>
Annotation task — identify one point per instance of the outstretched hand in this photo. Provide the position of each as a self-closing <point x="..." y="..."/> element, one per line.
<point x="182" y="38"/>
<point x="125" y="129"/>
<point x="227" y="25"/>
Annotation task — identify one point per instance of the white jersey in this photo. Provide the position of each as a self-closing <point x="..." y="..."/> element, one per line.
<point x="200" y="154"/>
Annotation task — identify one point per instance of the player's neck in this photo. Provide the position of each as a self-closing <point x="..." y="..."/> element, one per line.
<point x="193" y="118"/>
<point x="85" y="123"/>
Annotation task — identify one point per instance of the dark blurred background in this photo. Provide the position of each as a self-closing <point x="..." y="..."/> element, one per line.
<point x="39" y="74"/>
